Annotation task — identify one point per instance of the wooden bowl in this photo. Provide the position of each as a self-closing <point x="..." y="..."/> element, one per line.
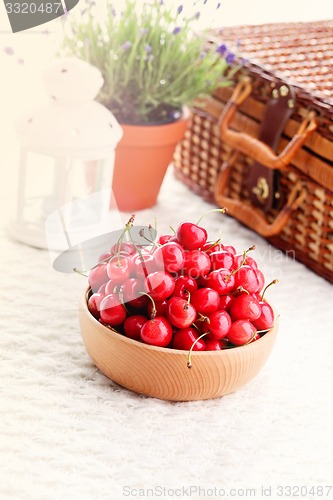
<point x="162" y="373"/>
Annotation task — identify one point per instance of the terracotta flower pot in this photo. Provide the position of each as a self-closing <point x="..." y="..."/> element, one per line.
<point x="142" y="159"/>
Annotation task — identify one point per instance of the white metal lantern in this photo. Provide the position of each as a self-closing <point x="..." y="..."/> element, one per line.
<point x="67" y="155"/>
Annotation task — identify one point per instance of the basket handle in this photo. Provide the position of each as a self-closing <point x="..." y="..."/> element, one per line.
<point x="250" y="216"/>
<point x="254" y="148"/>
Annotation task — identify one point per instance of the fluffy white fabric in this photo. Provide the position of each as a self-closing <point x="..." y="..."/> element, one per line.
<point x="67" y="432"/>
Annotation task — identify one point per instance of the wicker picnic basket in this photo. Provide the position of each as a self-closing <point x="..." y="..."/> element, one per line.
<point x="263" y="147"/>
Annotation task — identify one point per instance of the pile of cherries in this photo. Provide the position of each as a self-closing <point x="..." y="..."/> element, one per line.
<point x="181" y="291"/>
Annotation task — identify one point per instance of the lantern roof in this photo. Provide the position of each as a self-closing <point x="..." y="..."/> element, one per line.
<point x="71" y="123"/>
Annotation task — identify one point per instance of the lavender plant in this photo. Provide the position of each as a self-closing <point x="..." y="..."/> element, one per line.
<point x="152" y="58"/>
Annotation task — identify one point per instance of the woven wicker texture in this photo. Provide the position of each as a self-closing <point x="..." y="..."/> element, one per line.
<point x="299" y="52"/>
<point x="198" y="160"/>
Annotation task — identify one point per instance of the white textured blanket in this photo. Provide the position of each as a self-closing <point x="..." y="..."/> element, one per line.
<point x="67" y="432"/>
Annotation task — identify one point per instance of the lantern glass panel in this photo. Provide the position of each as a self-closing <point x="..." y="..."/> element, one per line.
<point x="36" y="197"/>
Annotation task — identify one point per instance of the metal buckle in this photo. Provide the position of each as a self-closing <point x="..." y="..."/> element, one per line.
<point x="261" y="190"/>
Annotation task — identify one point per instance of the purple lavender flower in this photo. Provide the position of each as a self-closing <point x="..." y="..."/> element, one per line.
<point x="218" y="6"/>
<point x="180" y="9"/>
<point x="197" y="15"/>
<point x="148" y="48"/>
<point x="9" y="51"/>
<point x="126" y="45"/>
<point x="176" y="30"/>
<point x="230" y="57"/>
<point x="221" y="49"/>
<point x="205" y="1"/>
<point x="144" y="31"/>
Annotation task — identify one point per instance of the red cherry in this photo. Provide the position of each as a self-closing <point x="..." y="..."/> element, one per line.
<point x="183" y="286"/>
<point x="132" y="290"/>
<point x="229" y="248"/>
<point x="119" y="269"/>
<point x="133" y="325"/>
<point x="142" y="266"/>
<point x="196" y="263"/>
<point x="247" y="278"/>
<point x="266" y="318"/>
<point x="123" y="248"/>
<point x="110" y="287"/>
<point x="215" y="344"/>
<point x="222" y="259"/>
<point x="245" y="307"/>
<point x="261" y="279"/>
<point x="157" y="331"/>
<point x="164" y="238"/>
<point x="180" y="313"/>
<point x="203" y="326"/>
<point x="102" y="290"/>
<point x="225" y="302"/>
<point x="94" y="303"/>
<point x="191" y="236"/>
<point x="160" y="285"/>
<point x="106" y="256"/>
<point x="205" y="300"/>
<point x="112" y="311"/>
<point x="221" y="280"/>
<point x="97" y="277"/>
<point x="184" y="339"/>
<point x="241" y="331"/>
<point x="202" y="282"/>
<point x="171" y="255"/>
<point x="160" y="306"/>
<point x="249" y="261"/>
<point x="219" y="324"/>
<point x="211" y="246"/>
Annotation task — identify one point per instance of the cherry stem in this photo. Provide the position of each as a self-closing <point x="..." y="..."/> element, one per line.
<point x="82" y="273"/>
<point x="78" y="271"/>
<point x="213" y="245"/>
<point x="243" y="259"/>
<point x="120" y="294"/>
<point x="258" y="331"/>
<point x="274" y="282"/>
<point x="154" y="312"/>
<point x="172" y="229"/>
<point x="203" y="318"/>
<point x="142" y="234"/>
<point x="121" y="238"/>
<point x="152" y="241"/>
<point x="188" y="297"/>
<point x="189" y="364"/>
<point x="129" y="225"/>
<point x="221" y="210"/>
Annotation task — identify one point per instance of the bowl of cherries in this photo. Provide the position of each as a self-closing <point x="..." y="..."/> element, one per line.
<point x="181" y="318"/>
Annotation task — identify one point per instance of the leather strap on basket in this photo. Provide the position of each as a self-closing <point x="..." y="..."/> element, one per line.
<point x="249" y="215"/>
<point x="263" y="182"/>
<point x="254" y="148"/>
<point x="264" y="155"/>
